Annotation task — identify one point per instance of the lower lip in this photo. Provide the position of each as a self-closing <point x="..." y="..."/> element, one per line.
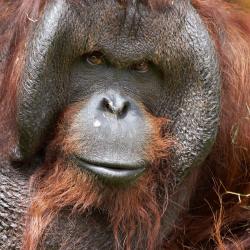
<point x="113" y="174"/>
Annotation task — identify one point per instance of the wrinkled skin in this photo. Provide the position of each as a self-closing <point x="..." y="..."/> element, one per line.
<point x="181" y="84"/>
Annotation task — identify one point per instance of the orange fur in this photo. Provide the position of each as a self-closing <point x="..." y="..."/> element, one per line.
<point x="134" y="210"/>
<point x="228" y="163"/>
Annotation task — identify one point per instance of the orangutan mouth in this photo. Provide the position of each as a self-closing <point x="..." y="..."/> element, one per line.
<point x="112" y="172"/>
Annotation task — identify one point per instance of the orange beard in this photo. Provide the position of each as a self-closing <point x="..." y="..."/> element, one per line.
<point x="133" y="211"/>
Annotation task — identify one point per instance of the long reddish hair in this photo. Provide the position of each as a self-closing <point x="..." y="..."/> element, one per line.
<point x="220" y="211"/>
<point x="133" y="212"/>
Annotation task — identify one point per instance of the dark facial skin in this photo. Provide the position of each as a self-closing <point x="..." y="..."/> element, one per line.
<point x="112" y="118"/>
<point x="180" y="82"/>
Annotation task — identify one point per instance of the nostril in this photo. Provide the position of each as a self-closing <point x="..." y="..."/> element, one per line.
<point x="107" y="105"/>
<point x="118" y="107"/>
<point x="124" y="109"/>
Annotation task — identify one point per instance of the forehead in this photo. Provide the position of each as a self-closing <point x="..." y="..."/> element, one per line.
<point x="130" y="29"/>
<point x="132" y="19"/>
<point x="157" y="5"/>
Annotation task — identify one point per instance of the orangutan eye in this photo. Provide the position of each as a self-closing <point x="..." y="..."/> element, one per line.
<point x="95" y="58"/>
<point x="141" y="67"/>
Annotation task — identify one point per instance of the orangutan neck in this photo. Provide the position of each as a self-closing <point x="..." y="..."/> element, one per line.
<point x="13" y="203"/>
<point x="82" y="232"/>
<point x="87" y="231"/>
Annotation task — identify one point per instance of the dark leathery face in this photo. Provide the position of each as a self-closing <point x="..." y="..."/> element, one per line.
<point x="112" y="127"/>
<point x="180" y="81"/>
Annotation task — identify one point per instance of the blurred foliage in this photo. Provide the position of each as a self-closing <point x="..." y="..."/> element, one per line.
<point x="244" y="3"/>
